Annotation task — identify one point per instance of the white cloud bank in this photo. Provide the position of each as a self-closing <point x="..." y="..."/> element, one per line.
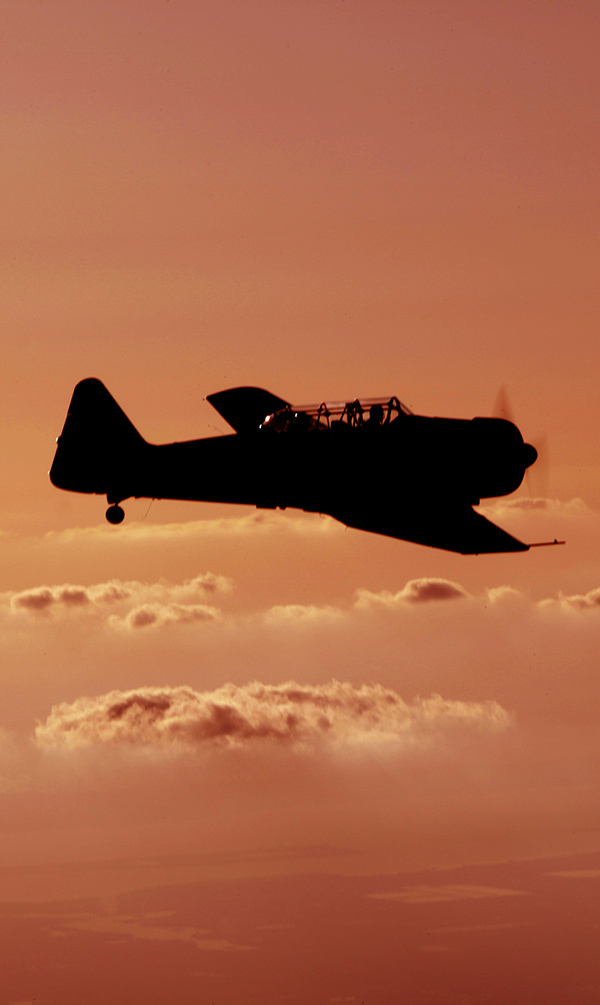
<point x="132" y="603"/>
<point x="241" y="716"/>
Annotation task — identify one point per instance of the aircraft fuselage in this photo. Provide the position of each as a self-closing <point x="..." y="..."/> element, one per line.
<point x="387" y="477"/>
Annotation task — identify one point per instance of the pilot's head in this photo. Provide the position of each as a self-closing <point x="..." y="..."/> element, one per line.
<point x="376" y="415"/>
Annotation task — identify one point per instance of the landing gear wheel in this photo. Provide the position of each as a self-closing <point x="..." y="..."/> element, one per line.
<point x="115" y="514"/>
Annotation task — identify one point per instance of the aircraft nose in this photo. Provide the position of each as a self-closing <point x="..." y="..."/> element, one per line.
<point x="529" y="455"/>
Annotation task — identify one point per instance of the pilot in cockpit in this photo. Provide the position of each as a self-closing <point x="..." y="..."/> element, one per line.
<point x="375" y="416"/>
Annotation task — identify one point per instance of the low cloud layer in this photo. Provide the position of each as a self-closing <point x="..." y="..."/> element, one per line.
<point x="134" y="603"/>
<point x="250" y="523"/>
<point x="383" y="777"/>
<point x="287" y="714"/>
<point x="131" y="605"/>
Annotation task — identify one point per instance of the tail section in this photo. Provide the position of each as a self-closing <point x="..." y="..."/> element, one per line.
<point x="99" y="448"/>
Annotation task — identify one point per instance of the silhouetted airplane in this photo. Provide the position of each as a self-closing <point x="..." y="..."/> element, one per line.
<point x="371" y="464"/>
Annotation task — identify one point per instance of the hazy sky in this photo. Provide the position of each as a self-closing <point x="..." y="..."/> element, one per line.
<point x="248" y="757"/>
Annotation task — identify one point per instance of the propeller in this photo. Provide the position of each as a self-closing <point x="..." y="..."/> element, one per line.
<point x="502" y="406"/>
<point x="537" y="475"/>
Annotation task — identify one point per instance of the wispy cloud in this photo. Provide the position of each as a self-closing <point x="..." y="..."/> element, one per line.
<point x="285" y="614"/>
<point x="529" y="504"/>
<point x="260" y="522"/>
<point x="589" y="601"/>
<point x="577" y="874"/>
<point x="440" y="894"/>
<point x="146" y="928"/>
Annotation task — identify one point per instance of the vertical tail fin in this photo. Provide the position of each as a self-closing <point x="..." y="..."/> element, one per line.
<point x="97" y="447"/>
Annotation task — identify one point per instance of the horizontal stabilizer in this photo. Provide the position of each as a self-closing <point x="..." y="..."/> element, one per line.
<point x="244" y="408"/>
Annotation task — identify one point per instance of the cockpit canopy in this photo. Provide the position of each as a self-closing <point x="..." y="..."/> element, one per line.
<point x="333" y="415"/>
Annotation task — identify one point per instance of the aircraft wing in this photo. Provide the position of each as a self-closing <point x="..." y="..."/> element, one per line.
<point x="458" y="528"/>
<point x="244" y="408"/>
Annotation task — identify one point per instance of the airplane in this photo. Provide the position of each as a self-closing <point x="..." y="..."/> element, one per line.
<point x="371" y="463"/>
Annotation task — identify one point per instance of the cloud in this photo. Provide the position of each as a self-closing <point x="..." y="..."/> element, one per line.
<point x="496" y="926"/>
<point x="454" y="779"/>
<point x="252" y="523"/>
<point x="416" y="591"/>
<point x="577" y="874"/>
<point x="302" y="614"/>
<point x="505" y="595"/>
<point x="38" y="599"/>
<point x="238" y="716"/>
<point x="140" y="603"/>
<point x="528" y="504"/>
<point x="150" y="615"/>
<point x="129" y="925"/>
<point x="579" y="602"/>
<point x="423" y="894"/>
<point x="428" y="590"/>
<point x="129" y="605"/>
<point x="43" y="597"/>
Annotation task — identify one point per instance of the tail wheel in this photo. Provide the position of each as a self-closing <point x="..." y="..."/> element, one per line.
<point x="115" y="514"/>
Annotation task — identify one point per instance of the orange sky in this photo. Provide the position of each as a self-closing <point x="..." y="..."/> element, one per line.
<point x="326" y="200"/>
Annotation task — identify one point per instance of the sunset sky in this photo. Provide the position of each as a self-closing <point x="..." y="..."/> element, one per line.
<point x="249" y="757"/>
